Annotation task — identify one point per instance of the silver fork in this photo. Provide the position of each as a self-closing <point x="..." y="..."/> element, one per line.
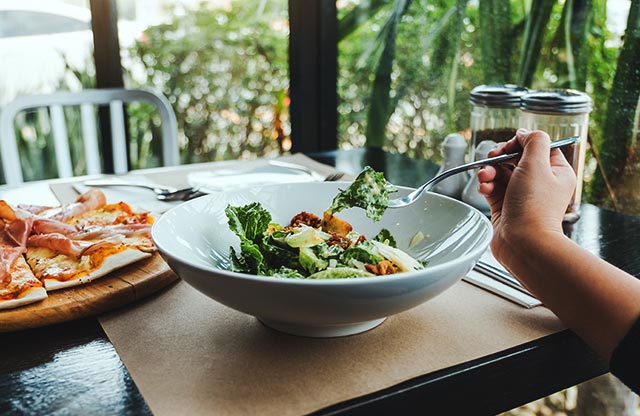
<point x="159" y="190"/>
<point x="413" y="196"/>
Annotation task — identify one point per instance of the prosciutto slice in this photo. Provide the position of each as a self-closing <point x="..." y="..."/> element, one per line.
<point x="16" y="225"/>
<point x="90" y="200"/>
<point x="48" y="226"/>
<point x="34" y="209"/>
<point x="60" y="244"/>
<point x="18" y="230"/>
<point x="107" y="231"/>
<point x="8" y="256"/>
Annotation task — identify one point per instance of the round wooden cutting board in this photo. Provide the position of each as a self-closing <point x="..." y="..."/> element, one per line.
<point x="121" y="287"/>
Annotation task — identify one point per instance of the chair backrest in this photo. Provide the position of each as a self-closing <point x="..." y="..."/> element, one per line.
<point x="87" y="100"/>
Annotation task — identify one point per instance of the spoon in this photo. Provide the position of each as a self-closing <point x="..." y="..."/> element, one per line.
<point x="413" y="196"/>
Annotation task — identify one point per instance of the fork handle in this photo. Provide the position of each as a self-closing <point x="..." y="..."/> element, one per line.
<point x="121" y="182"/>
<point x="509" y="156"/>
<point x="491" y="161"/>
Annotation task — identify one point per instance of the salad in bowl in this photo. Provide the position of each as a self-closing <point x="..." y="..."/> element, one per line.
<point x="313" y="247"/>
<point x="321" y="259"/>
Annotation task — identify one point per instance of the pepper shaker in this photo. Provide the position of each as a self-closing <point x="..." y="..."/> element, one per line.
<point x="561" y="113"/>
<point x="495" y="110"/>
<point x="470" y="194"/>
<point x="454" y="148"/>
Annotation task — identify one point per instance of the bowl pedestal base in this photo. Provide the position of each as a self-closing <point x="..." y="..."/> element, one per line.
<point x="322" y="331"/>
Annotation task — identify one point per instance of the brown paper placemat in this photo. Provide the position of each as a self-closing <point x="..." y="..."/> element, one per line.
<point x="191" y="355"/>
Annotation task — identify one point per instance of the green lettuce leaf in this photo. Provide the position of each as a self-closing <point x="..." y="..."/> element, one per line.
<point x="310" y="262"/>
<point x="284" y="271"/>
<point x="249" y="260"/>
<point x="364" y="252"/>
<point x="384" y="236"/>
<point x="249" y="221"/>
<point x="277" y="253"/>
<point x="370" y="191"/>
<point x="340" y="273"/>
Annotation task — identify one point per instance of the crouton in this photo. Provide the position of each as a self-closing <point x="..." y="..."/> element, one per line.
<point x="334" y="225"/>
<point x="306" y="218"/>
<point x="382" y="268"/>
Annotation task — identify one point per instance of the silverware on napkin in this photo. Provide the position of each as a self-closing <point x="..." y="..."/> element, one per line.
<point x="163" y="193"/>
<point x="489" y="284"/>
<point x="493" y="277"/>
<point x="501" y="276"/>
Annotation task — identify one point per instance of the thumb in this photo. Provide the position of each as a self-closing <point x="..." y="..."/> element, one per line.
<point x="535" y="147"/>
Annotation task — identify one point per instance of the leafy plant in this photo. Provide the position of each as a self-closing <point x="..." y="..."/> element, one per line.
<point x="225" y="73"/>
<point x="439" y="50"/>
<point x="618" y="144"/>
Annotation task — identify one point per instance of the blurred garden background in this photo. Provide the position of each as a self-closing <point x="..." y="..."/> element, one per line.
<point x="406" y="68"/>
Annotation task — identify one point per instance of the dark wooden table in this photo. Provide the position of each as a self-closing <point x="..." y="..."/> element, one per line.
<point x="72" y="368"/>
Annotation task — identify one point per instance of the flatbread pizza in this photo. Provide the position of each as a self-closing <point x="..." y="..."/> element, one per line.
<point x="51" y="248"/>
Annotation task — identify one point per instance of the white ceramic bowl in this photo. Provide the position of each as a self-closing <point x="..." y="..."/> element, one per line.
<point x="194" y="239"/>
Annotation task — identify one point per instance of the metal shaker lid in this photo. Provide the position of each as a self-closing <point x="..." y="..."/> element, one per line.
<point x="557" y="102"/>
<point x="504" y="96"/>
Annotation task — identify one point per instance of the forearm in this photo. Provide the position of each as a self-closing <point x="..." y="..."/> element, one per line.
<point x="595" y="299"/>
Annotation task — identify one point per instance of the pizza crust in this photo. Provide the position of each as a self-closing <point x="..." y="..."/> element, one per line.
<point x="35" y="294"/>
<point x="111" y="263"/>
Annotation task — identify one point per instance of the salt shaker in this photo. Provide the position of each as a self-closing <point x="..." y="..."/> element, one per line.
<point x="470" y="193"/>
<point x="454" y="148"/>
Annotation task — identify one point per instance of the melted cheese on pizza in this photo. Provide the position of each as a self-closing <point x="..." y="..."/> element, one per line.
<point x="47" y="264"/>
<point x="118" y="213"/>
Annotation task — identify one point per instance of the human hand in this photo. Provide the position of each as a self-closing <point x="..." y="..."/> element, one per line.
<point x="530" y="199"/>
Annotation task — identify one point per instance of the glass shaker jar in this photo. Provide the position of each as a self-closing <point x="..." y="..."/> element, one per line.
<point x="561" y="113"/>
<point x="495" y="111"/>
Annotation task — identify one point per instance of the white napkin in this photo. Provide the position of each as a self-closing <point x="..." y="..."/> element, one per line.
<point x="139" y="199"/>
<point x="209" y="178"/>
<point x="483" y="278"/>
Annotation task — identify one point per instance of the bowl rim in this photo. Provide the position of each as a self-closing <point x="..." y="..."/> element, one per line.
<point x="476" y="252"/>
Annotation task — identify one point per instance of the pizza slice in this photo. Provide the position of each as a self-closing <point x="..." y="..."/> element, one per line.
<point x="18" y="286"/>
<point x="85" y="240"/>
<point x="58" y="270"/>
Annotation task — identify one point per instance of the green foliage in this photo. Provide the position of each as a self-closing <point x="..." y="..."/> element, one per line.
<point x="621" y="123"/>
<point x="535" y="29"/>
<point x="496" y="42"/>
<point x="380" y="106"/>
<point x="406" y="68"/>
<point x="225" y="73"/>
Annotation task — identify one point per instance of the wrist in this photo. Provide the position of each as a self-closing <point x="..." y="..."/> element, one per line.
<point x="519" y="243"/>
